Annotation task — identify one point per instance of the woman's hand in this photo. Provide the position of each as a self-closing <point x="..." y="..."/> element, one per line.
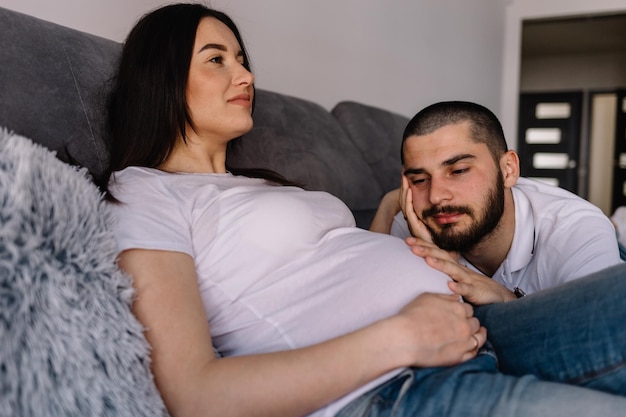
<point x="432" y="330"/>
<point x="443" y="329"/>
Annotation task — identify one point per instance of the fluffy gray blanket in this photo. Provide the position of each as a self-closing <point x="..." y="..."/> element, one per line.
<point x="69" y="345"/>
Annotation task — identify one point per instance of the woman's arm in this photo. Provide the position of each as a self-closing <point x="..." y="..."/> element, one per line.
<point x="433" y="330"/>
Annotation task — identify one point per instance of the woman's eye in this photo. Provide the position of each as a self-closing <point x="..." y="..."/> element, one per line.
<point x="216" y="60"/>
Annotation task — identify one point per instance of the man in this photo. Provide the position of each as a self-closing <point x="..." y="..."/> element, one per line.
<point x="473" y="217"/>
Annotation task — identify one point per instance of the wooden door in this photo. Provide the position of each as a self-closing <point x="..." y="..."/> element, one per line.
<point x="549" y="135"/>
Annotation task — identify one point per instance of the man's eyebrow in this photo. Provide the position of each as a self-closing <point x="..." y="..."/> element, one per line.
<point x="447" y="162"/>
<point x="458" y="158"/>
<point x="414" y="171"/>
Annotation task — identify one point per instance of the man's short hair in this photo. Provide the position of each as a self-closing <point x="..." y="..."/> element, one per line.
<point x="485" y="126"/>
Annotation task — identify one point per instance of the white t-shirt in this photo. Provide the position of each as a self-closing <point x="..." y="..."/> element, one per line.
<point x="558" y="237"/>
<point x="278" y="267"/>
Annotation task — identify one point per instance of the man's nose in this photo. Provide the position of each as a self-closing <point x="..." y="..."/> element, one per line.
<point x="439" y="191"/>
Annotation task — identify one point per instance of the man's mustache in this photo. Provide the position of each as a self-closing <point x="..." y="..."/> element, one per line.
<point x="434" y="210"/>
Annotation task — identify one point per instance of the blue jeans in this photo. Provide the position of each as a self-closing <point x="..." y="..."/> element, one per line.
<point x="559" y="352"/>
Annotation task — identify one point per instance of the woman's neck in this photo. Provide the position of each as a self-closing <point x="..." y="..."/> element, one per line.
<point x="191" y="157"/>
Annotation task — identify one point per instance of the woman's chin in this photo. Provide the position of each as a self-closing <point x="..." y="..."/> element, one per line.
<point x="246" y="128"/>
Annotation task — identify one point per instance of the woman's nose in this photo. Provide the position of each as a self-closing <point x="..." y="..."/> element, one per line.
<point x="243" y="76"/>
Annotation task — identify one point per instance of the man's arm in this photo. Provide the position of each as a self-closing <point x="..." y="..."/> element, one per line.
<point x="388" y="220"/>
<point x="389" y="206"/>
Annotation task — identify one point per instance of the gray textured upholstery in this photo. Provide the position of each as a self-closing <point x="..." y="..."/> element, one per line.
<point x="377" y="133"/>
<point x="51" y="81"/>
<point x="302" y="141"/>
<point x="52" y="90"/>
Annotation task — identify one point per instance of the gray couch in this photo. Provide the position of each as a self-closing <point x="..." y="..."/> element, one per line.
<point x="51" y="90"/>
<point x="69" y="344"/>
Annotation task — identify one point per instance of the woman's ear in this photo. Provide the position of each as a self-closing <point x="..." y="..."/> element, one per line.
<point x="509" y="166"/>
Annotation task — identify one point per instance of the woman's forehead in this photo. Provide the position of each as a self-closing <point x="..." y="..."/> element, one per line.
<point x="212" y="31"/>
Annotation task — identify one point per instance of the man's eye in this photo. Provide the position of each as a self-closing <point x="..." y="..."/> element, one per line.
<point x="418" y="181"/>
<point x="460" y="171"/>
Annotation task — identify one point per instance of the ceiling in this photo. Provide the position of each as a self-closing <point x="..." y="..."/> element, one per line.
<point x="580" y="35"/>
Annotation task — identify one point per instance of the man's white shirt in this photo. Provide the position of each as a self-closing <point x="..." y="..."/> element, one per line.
<point x="558" y="237"/>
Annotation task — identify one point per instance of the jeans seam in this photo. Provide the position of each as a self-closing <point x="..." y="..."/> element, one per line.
<point x="592" y="376"/>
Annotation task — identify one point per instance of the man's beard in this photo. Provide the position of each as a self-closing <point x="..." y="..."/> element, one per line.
<point x="446" y="238"/>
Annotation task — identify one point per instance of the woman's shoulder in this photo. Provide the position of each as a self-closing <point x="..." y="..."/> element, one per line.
<point x="134" y="183"/>
<point x="133" y="173"/>
<point x="141" y="184"/>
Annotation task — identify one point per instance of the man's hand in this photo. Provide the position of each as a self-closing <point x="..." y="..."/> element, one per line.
<point x="475" y="288"/>
<point x="416" y="227"/>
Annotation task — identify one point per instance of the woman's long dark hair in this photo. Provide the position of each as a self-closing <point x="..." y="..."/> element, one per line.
<point x="147" y="108"/>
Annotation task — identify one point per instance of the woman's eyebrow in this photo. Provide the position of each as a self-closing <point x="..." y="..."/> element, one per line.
<point x="213" y="46"/>
<point x="218" y="46"/>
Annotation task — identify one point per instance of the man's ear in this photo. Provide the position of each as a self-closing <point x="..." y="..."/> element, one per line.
<point x="509" y="166"/>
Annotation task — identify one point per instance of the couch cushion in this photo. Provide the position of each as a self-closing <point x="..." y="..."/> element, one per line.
<point x="70" y="345"/>
<point x="302" y="141"/>
<point x="51" y="86"/>
<point x="377" y="133"/>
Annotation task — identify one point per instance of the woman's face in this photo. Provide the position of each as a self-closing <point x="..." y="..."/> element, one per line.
<point x="219" y="89"/>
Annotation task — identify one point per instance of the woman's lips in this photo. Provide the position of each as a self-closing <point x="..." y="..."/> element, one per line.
<point x="241" y="100"/>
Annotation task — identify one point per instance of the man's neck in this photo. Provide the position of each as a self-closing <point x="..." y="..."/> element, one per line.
<point x="488" y="254"/>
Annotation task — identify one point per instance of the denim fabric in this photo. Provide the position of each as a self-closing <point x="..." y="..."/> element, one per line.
<point x="574" y="333"/>
<point x="546" y="344"/>
<point x="477" y="389"/>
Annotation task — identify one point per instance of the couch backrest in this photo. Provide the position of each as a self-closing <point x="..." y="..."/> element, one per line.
<point x="377" y="133"/>
<point x="53" y="88"/>
<point x="304" y="142"/>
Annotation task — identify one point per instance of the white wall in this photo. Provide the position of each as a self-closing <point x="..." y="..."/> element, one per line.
<point x="107" y="18"/>
<point x="396" y="54"/>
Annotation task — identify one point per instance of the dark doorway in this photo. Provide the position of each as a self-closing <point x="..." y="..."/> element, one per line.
<point x="549" y="137"/>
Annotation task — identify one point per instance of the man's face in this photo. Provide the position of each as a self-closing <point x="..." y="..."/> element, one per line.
<point x="458" y="190"/>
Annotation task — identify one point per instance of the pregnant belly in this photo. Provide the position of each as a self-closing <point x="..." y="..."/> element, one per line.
<point x="353" y="279"/>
